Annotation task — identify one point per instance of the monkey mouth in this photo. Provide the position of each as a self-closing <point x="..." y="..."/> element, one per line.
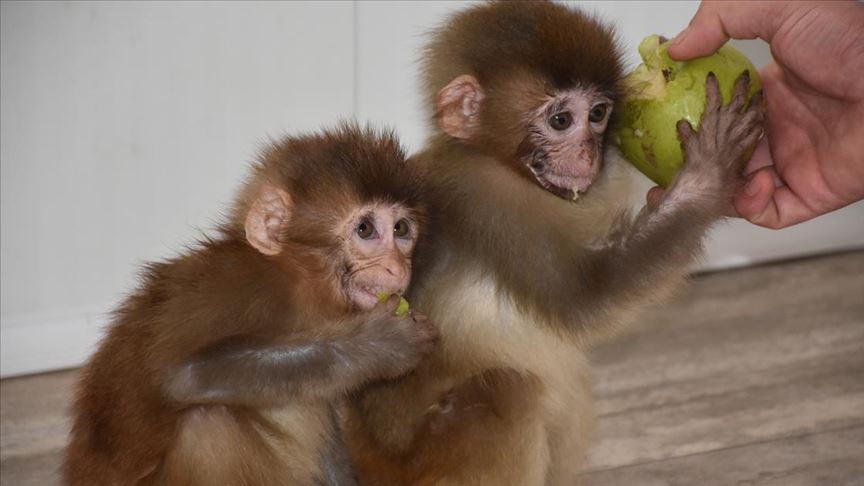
<point x="569" y="187"/>
<point x="363" y="297"/>
<point x="366" y="297"/>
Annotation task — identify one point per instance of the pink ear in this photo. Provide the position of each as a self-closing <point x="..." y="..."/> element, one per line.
<point x="459" y="106"/>
<point x="267" y="218"/>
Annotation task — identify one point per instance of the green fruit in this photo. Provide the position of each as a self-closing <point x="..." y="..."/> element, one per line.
<point x="403" y="306"/>
<point x="660" y="92"/>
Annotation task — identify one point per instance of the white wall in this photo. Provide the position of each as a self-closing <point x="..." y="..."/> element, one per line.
<point x="126" y="126"/>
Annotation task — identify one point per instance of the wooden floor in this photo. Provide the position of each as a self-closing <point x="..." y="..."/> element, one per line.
<point x="751" y="377"/>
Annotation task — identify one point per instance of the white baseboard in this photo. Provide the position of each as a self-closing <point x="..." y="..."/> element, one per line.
<point x="47" y="341"/>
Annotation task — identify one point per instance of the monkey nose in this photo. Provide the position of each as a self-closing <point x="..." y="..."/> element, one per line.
<point x="395" y="269"/>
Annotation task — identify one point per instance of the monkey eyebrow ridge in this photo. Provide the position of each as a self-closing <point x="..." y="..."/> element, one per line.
<point x="557" y="106"/>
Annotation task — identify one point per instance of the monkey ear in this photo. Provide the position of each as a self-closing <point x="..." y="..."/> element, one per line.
<point x="267" y="218"/>
<point x="459" y="106"/>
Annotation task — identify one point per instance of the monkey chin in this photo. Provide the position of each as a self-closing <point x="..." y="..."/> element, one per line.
<point x="570" y="188"/>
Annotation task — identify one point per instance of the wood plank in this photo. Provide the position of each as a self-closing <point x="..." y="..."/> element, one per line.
<point x="717" y="366"/>
<point x="710" y="372"/>
<point x="739" y="322"/>
<point x="828" y="458"/>
<point x="34" y="413"/>
<point x="732" y="419"/>
<point x="31" y="470"/>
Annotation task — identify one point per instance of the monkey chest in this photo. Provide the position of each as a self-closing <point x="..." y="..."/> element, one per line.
<point x="482" y="328"/>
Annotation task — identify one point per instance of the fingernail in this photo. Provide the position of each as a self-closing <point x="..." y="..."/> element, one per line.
<point x="751" y="188"/>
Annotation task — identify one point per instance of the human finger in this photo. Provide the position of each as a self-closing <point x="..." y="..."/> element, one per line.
<point x="717" y="22"/>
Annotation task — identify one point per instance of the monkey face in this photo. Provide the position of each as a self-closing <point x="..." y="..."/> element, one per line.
<point x="563" y="148"/>
<point x="378" y="240"/>
<point x="558" y="133"/>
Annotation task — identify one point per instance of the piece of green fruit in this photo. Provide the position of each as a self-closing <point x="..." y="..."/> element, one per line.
<point x="403" y="306"/>
<point x="662" y="91"/>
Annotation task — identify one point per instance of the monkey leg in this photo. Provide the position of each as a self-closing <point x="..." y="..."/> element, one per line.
<point x="490" y="430"/>
<point x="224" y="445"/>
<point x="505" y="428"/>
<point x="569" y="434"/>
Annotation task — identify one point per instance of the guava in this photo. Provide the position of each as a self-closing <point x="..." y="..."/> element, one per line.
<point x="403" y="306"/>
<point x="660" y="92"/>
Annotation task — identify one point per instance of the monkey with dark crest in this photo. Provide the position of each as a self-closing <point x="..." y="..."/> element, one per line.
<point x="531" y="255"/>
<point x="224" y="366"/>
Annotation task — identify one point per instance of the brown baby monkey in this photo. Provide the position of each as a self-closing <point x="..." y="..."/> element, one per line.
<point x="223" y="367"/>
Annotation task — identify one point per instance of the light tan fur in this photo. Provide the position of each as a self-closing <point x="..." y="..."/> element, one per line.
<point x="215" y="445"/>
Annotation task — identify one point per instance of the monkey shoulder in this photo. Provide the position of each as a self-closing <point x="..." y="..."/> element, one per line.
<point x="211" y="292"/>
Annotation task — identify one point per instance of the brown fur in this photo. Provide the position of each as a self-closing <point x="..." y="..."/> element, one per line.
<point x="563" y="46"/>
<point x="174" y="394"/>
<point x="520" y="280"/>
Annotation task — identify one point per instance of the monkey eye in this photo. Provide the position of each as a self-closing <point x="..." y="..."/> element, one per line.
<point x="401" y="228"/>
<point x="365" y="230"/>
<point x="598" y="113"/>
<point x="561" y="121"/>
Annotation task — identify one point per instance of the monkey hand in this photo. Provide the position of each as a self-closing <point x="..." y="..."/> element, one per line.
<point x="387" y="345"/>
<point x="715" y="155"/>
<point x="810" y="161"/>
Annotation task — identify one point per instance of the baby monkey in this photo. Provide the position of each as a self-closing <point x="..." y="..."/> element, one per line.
<point x="223" y="367"/>
<point x="531" y="257"/>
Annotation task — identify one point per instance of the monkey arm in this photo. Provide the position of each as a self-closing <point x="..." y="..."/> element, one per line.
<point x="643" y="258"/>
<point x="322" y="364"/>
<point x="241" y="371"/>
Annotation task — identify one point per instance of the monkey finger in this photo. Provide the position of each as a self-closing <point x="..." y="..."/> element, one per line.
<point x="749" y="131"/>
<point x="712" y="92"/>
<point x="654" y="196"/>
<point x="685" y="132"/>
<point x="415" y="316"/>
<point x="749" y="143"/>
<point x="739" y="94"/>
<point x="749" y="123"/>
<point x="757" y="108"/>
<point x="757" y="103"/>
<point x="761" y="156"/>
<point x="431" y="330"/>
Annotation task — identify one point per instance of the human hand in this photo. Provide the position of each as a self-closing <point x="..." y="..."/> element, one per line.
<point x="812" y="160"/>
